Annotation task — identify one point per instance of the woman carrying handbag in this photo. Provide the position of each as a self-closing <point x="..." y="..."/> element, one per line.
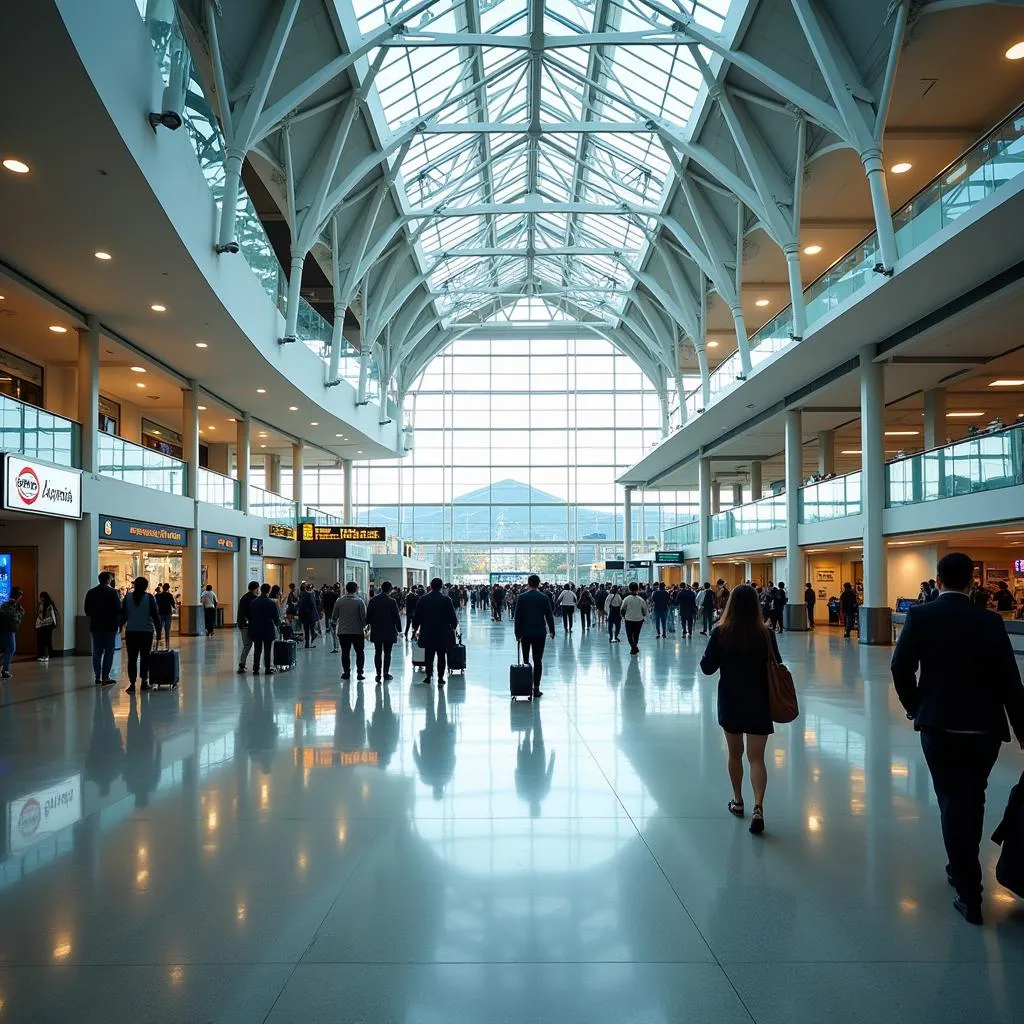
<point x="752" y="692"/>
<point x="47" y="620"/>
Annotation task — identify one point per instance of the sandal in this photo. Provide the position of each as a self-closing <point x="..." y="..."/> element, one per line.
<point x="757" y="821"/>
<point x="736" y="808"/>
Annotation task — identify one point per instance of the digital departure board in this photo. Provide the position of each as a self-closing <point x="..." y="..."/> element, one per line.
<point x="316" y="541"/>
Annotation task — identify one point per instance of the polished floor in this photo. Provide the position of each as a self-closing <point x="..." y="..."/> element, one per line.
<point x="288" y="849"/>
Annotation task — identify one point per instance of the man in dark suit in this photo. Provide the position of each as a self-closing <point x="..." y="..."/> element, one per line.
<point x="532" y="615"/>
<point x="385" y="624"/>
<point x="435" y="623"/>
<point x="264" y="627"/>
<point x="968" y="685"/>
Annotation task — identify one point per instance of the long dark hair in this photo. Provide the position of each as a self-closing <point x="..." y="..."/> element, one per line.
<point x="742" y="623"/>
<point x="139" y="588"/>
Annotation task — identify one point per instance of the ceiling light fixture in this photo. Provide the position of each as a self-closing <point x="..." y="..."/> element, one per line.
<point x="901" y="168"/>
<point x="1003" y="382"/>
<point x="902" y="433"/>
<point x="137" y="369"/>
<point x="201" y="344"/>
<point x="762" y="302"/>
<point x="16" y="166"/>
<point x="293" y="408"/>
<point x="712" y="344"/>
<point x="158" y="308"/>
<point x="58" y="329"/>
<point x="850" y="451"/>
<point x="359" y="452"/>
<point x="812" y="250"/>
<point x="314" y="424"/>
<point x="337" y="435"/>
<point x="969" y="415"/>
<point x="201" y="408"/>
<point x="140" y="384"/>
<point x="261" y="391"/>
<point x="1015" y="52"/>
<point x="100" y="254"/>
<point x="211" y="428"/>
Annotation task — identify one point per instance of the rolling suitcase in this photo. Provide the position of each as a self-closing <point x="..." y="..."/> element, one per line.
<point x="419" y="656"/>
<point x="284" y="654"/>
<point x="457" y="656"/>
<point x="164" y="668"/>
<point x="287" y="632"/>
<point x="520" y="681"/>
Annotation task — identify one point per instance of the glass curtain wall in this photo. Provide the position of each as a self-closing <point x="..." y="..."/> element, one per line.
<point x="517" y="448"/>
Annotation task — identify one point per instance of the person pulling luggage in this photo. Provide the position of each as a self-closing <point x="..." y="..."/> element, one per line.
<point x="533" y="622"/>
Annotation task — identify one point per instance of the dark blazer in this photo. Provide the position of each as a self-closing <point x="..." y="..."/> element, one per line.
<point x="686" y="600"/>
<point x="383" y="619"/>
<point x="103" y="606"/>
<point x="264" y="619"/>
<point x="244" y="603"/>
<point x="436" y="621"/>
<point x="969" y="680"/>
<point x="533" y="614"/>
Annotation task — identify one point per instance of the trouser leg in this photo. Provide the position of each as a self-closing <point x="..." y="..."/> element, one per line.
<point x="359" y="643"/>
<point x="536" y="644"/>
<point x="378" y="658"/>
<point x="98" y="650"/>
<point x="346" y="654"/>
<point x="387" y="659"/>
<point x="145" y="649"/>
<point x="131" y="643"/>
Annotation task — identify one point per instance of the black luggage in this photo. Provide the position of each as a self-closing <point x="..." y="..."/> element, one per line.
<point x="164" y="668"/>
<point x="520" y="681"/>
<point x="1010" y="835"/>
<point x="457" y="656"/>
<point x="287" y="632"/>
<point x="284" y="654"/>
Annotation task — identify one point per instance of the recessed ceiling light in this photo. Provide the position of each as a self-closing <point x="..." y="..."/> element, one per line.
<point x="762" y="302"/>
<point x="1012" y="533"/>
<point x="359" y="452"/>
<point x="20" y="167"/>
<point x="812" y="250"/>
<point x="101" y="255"/>
<point x="158" y="308"/>
<point x="2" y="297"/>
<point x="261" y="391"/>
<point x="901" y="168"/>
<point x="712" y="344"/>
<point x="1015" y="52"/>
<point x="263" y="433"/>
<point x="58" y="329"/>
<point x="314" y="424"/>
<point x="293" y="408"/>
<point x="1006" y="382"/>
<point x="263" y="446"/>
<point x="201" y="344"/>
<point x="211" y="428"/>
<point x="337" y="435"/>
<point x="200" y="430"/>
<point x="231" y="419"/>
<point x="140" y="384"/>
<point x="157" y="432"/>
<point x="850" y="451"/>
<point x="137" y="369"/>
<point x="902" y="433"/>
<point x="201" y="408"/>
<point x="971" y="415"/>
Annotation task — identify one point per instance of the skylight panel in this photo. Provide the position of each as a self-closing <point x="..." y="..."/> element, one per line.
<point x="563" y="16"/>
<point x="503" y="16"/>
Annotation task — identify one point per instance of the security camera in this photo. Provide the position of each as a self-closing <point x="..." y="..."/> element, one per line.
<point x="231" y="247"/>
<point x="170" y="119"/>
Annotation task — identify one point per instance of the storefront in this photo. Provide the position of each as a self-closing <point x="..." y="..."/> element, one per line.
<point x="218" y="570"/>
<point x="129" y="548"/>
<point x="669" y="565"/>
<point x="279" y="570"/>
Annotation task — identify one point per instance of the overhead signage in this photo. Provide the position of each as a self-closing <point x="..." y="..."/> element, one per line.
<point x="40" y="489"/>
<point x="315" y="532"/>
<point x="280" y="531"/>
<point x="35" y="816"/>
<point x="668" y="557"/>
<point x="1018" y="565"/>
<point x="112" y="528"/>
<point x="506" y="577"/>
<point x="256" y="546"/>
<point x="218" y="542"/>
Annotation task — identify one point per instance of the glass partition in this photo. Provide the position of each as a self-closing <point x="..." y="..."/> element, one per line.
<point x="322" y="518"/>
<point x="985" y="462"/>
<point x="754" y="517"/>
<point x="38" y="434"/>
<point x="676" y="537"/>
<point x="831" y="499"/>
<point x="272" y="507"/>
<point x="135" y="464"/>
<point x="217" y="489"/>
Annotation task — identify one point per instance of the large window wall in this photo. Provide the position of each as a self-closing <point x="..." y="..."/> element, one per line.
<point x="517" y="448"/>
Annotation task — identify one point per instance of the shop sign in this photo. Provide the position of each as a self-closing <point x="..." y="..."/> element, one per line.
<point x="1018" y="565"/>
<point x="44" y="490"/>
<point x="5" y="577"/>
<point x="507" y="577"/>
<point x="668" y="557"/>
<point x="315" y="532"/>
<point x="256" y="546"/>
<point x="37" y="815"/>
<point x="112" y="528"/>
<point x="218" y="542"/>
<point x="280" y="531"/>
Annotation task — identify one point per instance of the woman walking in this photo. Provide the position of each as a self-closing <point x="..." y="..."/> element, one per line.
<point x="141" y="618"/>
<point x="585" y="603"/>
<point x="47" y="620"/>
<point x="739" y="649"/>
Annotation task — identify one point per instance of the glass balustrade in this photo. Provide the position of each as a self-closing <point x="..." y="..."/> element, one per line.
<point x="989" y="164"/>
<point x="135" y="464"/>
<point x="831" y="499"/>
<point x="217" y="489"/>
<point x="985" y="462"/>
<point x="322" y="518"/>
<point x="272" y="507"/>
<point x="754" y="517"/>
<point x="676" y="537"/>
<point x="38" y="434"/>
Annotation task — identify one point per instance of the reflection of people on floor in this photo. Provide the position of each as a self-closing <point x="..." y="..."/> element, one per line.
<point x="105" y="759"/>
<point x="435" y="757"/>
<point x="634" y="699"/>
<point x="533" y="768"/>
<point x="349" y="722"/>
<point x="142" y="759"/>
<point x="259" y="730"/>
<point x="382" y="729"/>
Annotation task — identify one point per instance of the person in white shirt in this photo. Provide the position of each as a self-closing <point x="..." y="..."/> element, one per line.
<point x="634" y="611"/>
<point x="208" y="599"/>
<point x="567" y="603"/>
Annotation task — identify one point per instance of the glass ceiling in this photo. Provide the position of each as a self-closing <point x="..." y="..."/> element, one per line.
<point x="535" y="169"/>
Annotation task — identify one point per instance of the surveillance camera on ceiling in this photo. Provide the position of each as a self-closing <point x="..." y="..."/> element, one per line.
<point x="169" y="119"/>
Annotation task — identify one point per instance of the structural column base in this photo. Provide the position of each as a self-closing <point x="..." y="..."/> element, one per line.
<point x="875" y="627"/>
<point x="794" y="618"/>
<point x="190" y="620"/>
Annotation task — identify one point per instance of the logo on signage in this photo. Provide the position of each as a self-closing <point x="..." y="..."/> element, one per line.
<point x="43" y="489"/>
<point x="27" y="485"/>
<point x="108" y="528"/>
<point x="29" y="819"/>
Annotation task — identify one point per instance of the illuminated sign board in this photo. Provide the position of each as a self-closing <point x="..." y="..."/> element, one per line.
<point x="37" y="815"/>
<point x="45" y="490"/>
<point x="256" y="546"/>
<point x="316" y="541"/>
<point x="668" y="557"/>
<point x="280" y="531"/>
<point x="112" y="528"/>
<point x="219" y="542"/>
<point x="1018" y="565"/>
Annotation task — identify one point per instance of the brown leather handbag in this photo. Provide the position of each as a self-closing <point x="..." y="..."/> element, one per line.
<point x="782" y="702"/>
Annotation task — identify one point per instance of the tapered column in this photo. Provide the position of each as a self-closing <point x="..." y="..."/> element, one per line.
<point x="297" y="477"/>
<point x="795" y="614"/>
<point x="756" y="484"/>
<point x="191" y="556"/>
<point x="716" y="497"/>
<point x="796" y="292"/>
<point x="737" y="494"/>
<point x="346" y="466"/>
<point x="243" y="458"/>
<point x="875" y="615"/>
<point x="826" y="452"/>
<point x="934" y="418"/>
<point x="87" y="558"/>
<point x="704" y="504"/>
<point x="627" y="529"/>
<point x="272" y="472"/>
<point x="872" y="161"/>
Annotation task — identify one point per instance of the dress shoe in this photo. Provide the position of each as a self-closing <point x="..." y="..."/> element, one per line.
<point x="971" y="912"/>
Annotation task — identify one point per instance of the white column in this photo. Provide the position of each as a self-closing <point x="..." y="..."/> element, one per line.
<point x="934" y="418"/>
<point x="795" y="613"/>
<point x="716" y="497"/>
<point x="272" y="472"/>
<point x="297" y="477"/>
<point x="191" y="556"/>
<point x="875" y="615"/>
<point x="87" y="556"/>
<point x="346" y="466"/>
<point x="243" y="459"/>
<point x="756" y="483"/>
<point x="704" y="505"/>
<point x="627" y="527"/>
<point x="796" y="290"/>
<point x="872" y="161"/>
<point x="737" y="494"/>
<point x="826" y="452"/>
